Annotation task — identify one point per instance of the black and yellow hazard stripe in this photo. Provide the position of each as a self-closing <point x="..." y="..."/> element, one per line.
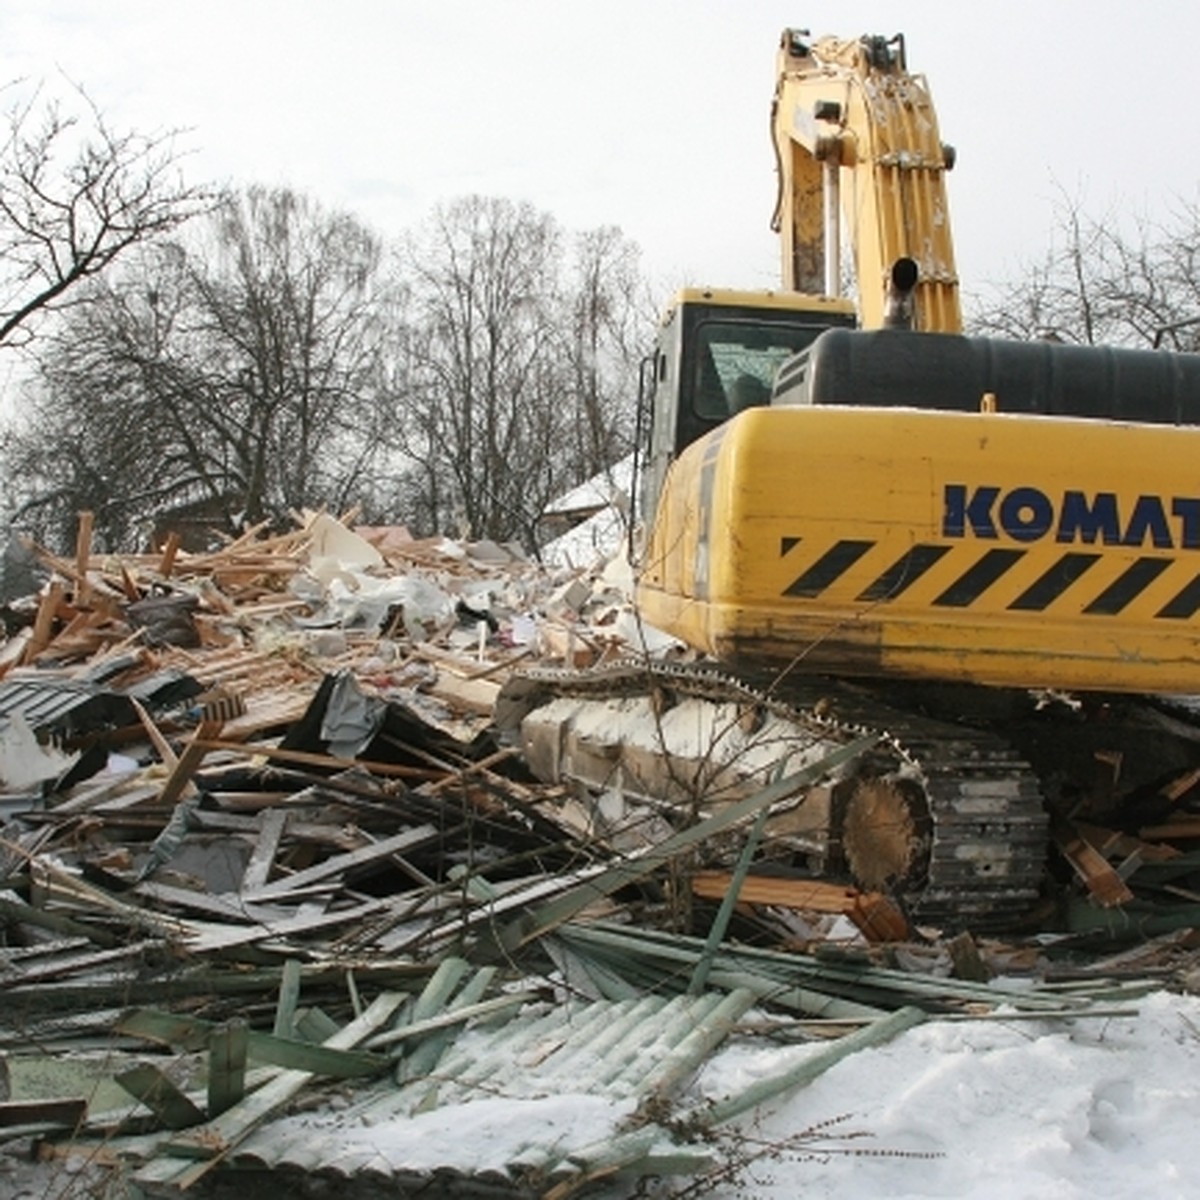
<point x="985" y="570"/>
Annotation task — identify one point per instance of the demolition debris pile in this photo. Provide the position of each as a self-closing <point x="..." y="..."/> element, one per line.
<point x="266" y="853"/>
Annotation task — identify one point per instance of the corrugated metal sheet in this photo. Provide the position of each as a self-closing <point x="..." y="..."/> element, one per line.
<point x="607" y="1057"/>
<point x="48" y="702"/>
<point x="63" y="704"/>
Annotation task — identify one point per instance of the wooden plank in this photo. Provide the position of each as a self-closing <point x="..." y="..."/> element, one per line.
<point x="227" y="1049"/>
<point x="879" y="919"/>
<point x="16" y="912"/>
<point x="211" y="1142"/>
<point x="306" y="758"/>
<point x="77" y="964"/>
<point x="129" y="585"/>
<point x="1097" y="874"/>
<point x="873" y="913"/>
<point x="473" y="695"/>
<point x="1114" y="844"/>
<point x="165" y="753"/>
<point x="320" y="834"/>
<point x="189" y="761"/>
<point x="1180" y="787"/>
<point x="968" y="962"/>
<point x="289" y="998"/>
<point x="241" y="822"/>
<point x="43" y="623"/>
<point x="83" y="557"/>
<point x="1181" y="827"/>
<point x="211" y="941"/>
<point x="338" y="864"/>
<point x="192" y="1033"/>
<point x="100" y="596"/>
<point x="167" y="563"/>
<point x="55" y="883"/>
<point x="272" y="822"/>
<point x="64" y="1113"/>
<point x="812" y="894"/>
<point x="482" y="767"/>
<point x="147" y="1084"/>
<point x="225" y="907"/>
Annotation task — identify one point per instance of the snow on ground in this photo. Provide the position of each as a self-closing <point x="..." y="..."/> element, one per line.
<point x="983" y="1109"/>
<point x="1006" y="1110"/>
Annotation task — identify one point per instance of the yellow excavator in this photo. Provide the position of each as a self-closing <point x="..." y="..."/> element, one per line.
<point x="866" y="519"/>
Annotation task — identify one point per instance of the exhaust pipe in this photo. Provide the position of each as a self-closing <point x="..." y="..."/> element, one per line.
<point x="899" y="308"/>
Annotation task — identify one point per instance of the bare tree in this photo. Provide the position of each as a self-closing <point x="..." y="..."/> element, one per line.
<point x="90" y="435"/>
<point x="479" y="380"/>
<point x="517" y="364"/>
<point x="75" y="194"/>
<point x="270" y="362"/>
<point x="235" y="378"/>
<point x="289" y="331"/>
<point x="1111" y="280"/>
<point x="611" y="315"/>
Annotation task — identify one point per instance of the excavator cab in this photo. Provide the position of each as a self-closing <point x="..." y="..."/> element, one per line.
<point x="717" y="354"/>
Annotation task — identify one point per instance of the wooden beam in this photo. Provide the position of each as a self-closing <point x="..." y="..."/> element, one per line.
<point x="1181" y="785"/>
<point x="874" y="914"/>
<point x="272" y="822"/>
<point x="1104" y="883"/>
<point x="1182" y="827"/>
<point x="168" y="756"/>
<point x="100" y="596"/>
<point x="83" y="557"/>
<point x="339" y="864"/>
<point x="129" y="585"/>
<point x="43" y="623"/>
<point x="227" y="1065"/>
<point x="305" y="758"/>
<point x="968" y="962"/>
<point x="189" y="761"/>
<point x="167" y="563"/>
<point x="160" y="1095"/>
<point x="59" y="1113"/>
<point x="1113" y="844"/>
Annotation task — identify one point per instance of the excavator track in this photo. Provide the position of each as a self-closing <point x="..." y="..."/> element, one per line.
<point x="984" y="811"/>
<point x="948" y="820"/>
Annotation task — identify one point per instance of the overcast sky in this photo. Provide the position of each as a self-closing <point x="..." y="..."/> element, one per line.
<point x="651" y="115"/>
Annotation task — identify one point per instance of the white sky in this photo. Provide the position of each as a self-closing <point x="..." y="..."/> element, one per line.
<point x="647" y="114"/>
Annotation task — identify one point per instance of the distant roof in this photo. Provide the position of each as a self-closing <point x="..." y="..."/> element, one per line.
<point x="602" y="489"/>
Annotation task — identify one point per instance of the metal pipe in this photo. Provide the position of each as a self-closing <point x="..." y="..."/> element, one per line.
<point x="899" y="306"/>
<point x="831" y="198"/>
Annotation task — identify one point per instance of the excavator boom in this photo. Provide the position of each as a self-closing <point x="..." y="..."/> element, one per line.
<point x="856" y="139"/>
